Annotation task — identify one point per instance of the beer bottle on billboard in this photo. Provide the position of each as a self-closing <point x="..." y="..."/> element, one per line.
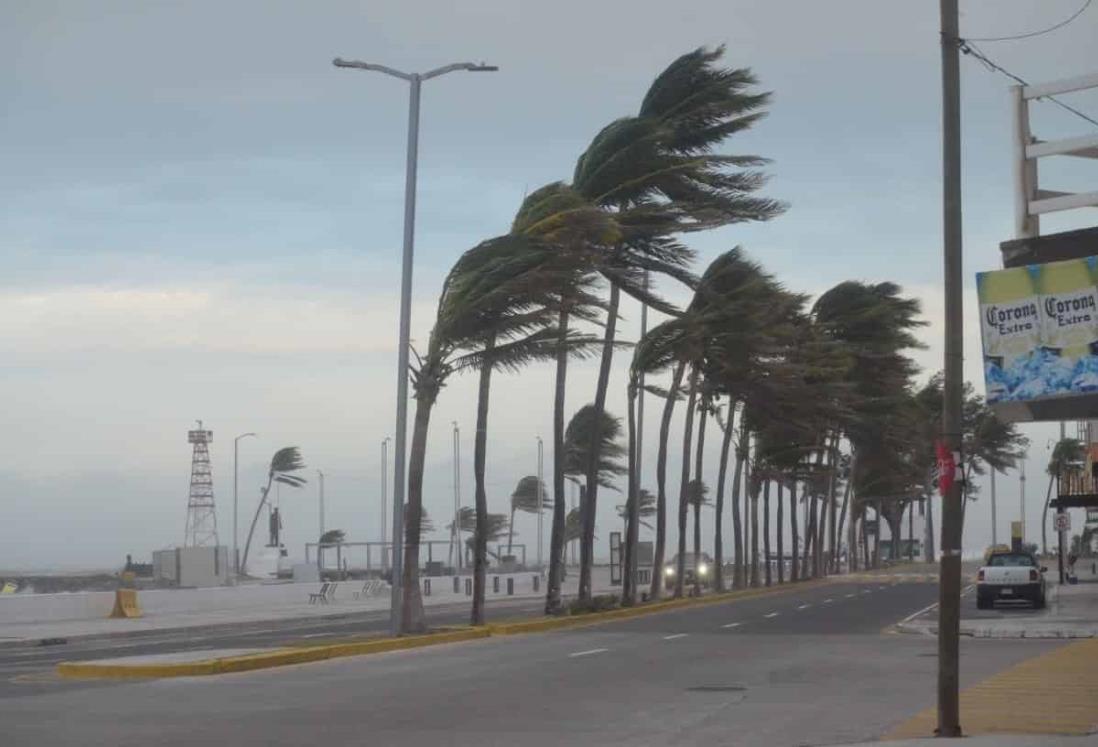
<point x="1069" y="302"/>
<point x="1010" y="322"/>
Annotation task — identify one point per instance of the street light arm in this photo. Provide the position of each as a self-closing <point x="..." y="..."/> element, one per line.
<point x="458" y="66"/>
<point x="340" y="62"/>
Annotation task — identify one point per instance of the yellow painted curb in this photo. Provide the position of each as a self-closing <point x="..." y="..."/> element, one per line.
<point x="301" y="655"/>
<point x="264" y="660"/>
<point x="1058" y="689"/>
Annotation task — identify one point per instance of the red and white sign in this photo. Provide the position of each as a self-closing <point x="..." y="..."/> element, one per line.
<point x="1062" y="522"/>
<point x="950" y="470"/>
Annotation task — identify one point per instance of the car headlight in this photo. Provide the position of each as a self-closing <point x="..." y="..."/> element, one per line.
<point x="669" y="571"/>
<point x="702" y="569"/>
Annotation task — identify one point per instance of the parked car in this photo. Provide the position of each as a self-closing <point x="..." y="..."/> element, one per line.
<point x="702" y="565"/>
<point x="1010" y="576"/>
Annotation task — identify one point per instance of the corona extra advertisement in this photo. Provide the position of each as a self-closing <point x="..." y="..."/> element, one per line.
<point x="1040" y="330"/>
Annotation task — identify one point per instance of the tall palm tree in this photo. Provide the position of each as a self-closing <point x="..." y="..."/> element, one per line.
<point x="646" y="508"/>
<point x="529" y="497"/>
<point x="479" y="293"/>
<point x="577" y="230"/>
<point x="657" y="172"/>
<point x="285" y="462"/>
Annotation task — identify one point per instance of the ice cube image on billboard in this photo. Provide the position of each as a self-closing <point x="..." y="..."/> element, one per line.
<point x="1039" y="326"/>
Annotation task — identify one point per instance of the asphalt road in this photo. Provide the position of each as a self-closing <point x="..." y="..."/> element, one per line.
<point x="28" y="670"/>
<point x="811" y="666"/>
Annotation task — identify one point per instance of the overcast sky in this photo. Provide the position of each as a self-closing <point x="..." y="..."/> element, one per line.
<point x="201" y="218"/>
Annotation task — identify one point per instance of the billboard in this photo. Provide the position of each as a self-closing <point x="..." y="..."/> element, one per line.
<point x="1039" y="326"/>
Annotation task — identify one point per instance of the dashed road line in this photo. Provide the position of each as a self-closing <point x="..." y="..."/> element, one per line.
<point x="772" y="614"/>
<point x="849" y="596"/>
<point x="828" y="601"/>
<point x="804" y="606"/>
<point x="589" y="652"/>
<point x="731" y="625"/>
<point x="674" y="636"/>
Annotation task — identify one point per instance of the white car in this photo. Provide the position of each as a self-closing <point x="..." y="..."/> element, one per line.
<point x="1010" y="576"/>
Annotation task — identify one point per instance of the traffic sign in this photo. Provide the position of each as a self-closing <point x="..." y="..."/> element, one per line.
<point x="1062" y="522"/>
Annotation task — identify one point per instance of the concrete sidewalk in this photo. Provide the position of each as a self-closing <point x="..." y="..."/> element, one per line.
<point x="32" y="633"/>
<point x="1072" y="612"/>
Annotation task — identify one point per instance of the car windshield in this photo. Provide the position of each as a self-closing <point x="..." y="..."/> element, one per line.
<point x="999" y="561"/>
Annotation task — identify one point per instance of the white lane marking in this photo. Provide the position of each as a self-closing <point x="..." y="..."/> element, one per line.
<point x="772" y="614"/>
<point x="883" y="587"/>
<point x="848" y="596"/>
<point x="676" y="635"/>
<point x="260" y="632"/>
<point x="588" y="652"/>
<point x="731" y="625"/>
<point x="828" y="601"/>
<point x="804" y="606"/>
<point x="867" y="591"/>
<point x="317" y="635"/>
<point x="913" y="615"/>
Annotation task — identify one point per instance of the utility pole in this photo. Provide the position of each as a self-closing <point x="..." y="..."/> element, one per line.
<point x="541" y="502"/>
<point x="384" y="496"/>
<point x="320" y="485"/>
<point x="236" y="481"/>
<point x="949" y="584"/>
<point x="455" y="535"/>
<point x="415" y="81"/>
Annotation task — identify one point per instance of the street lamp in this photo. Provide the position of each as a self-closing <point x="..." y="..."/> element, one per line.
<point x="455" y="535"/>
<point x="540" y="493"/>
<point x="384" y="493"/>
<point x="415" y="80"/>
<point x="320" y="484"/>
<point x="236" y="454"/>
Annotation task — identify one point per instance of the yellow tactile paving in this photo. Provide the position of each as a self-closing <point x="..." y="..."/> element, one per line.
<point x="1059" y="691"/>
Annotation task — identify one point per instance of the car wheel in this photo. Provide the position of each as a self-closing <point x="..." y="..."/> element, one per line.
<point x="982" y="602"/>
<point x="1039" y="602"/>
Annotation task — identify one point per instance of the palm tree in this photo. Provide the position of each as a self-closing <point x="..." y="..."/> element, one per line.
<point x="525" y="498"/>
<point x="873" y="325"/>
<point x="657" y="172"/>
<point x="332" y="537"/>
<point x="285" y="462"/>
<point x="1068" y="455"/>
<point x="479" y="293"/>
<point x="560" y="216"/>
<point x="646" y="508"/>
<point x="599" y="433"/>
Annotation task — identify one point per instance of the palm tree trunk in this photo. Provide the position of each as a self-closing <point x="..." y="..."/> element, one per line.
<point x="766" y="530"/>
<point x="842" y="520"/>
<point x="684" y="483"/>
<point x="877" y="535"/>
<point x="480" y="447"/>
<point x="587" y="549"/>
<point x="248" y="543"/>
<point x="560" y="512"/>
<point x="829" y="519"/>
<point x="737" y="528"/>
<point x="794" y="566"/>
<point x="661" y="482"/>
<point x="718" y="518"/>
<point x="931" y="555"/>
<point x="698" y="461"/>
<point x="632" y="509"/>
<point x="412" y="617"/>
<point x="781" y="531"/>
<point x="756" y="485"/>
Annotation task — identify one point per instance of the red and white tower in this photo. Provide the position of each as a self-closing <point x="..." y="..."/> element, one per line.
<point x="201" y="515"/>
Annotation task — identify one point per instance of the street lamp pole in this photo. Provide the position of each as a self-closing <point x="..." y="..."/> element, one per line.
<point x="320" y="483"/>
<point x="236" y="480"/>
<point x="384" y="494"/>
<point x="540" y="493"/>
<point x="455" y="534"/>
<point x="415" y="80"/>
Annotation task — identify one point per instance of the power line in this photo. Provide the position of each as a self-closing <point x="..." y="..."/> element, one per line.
<point x="967" y="46"/>
<point x="1031" y="34"/>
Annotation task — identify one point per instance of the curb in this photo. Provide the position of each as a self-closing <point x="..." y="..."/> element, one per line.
<point x="286" y="656"/>
<point x="266" y="660"/>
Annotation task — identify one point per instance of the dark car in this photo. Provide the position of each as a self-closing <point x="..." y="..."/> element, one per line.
<point x="700" y="566"/>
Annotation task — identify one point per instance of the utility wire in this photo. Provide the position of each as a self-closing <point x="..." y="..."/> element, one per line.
<point x="967" y="46"/>
<point x="1031" y="34"/>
